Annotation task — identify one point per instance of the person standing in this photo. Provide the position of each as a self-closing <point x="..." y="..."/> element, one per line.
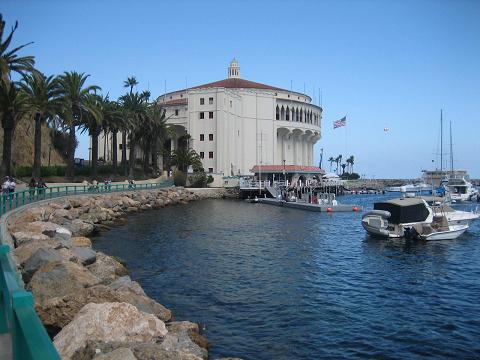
<point x="11" y="187"/>
<point x="31" y="187"/>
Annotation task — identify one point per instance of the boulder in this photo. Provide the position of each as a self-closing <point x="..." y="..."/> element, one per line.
<point x="145" y="304"/>
<point x="57" y="312"/>
<point x="108" y="322"/>
<point x="22" y="237"/>
<point x="107" y="268"/>
<point x="80" y="228"/>
<point x="85" y="255"/>
<point x="181" y="342"/>
<point x="43" y="227"/>
<point x="60" y="278"/>
<point x="124" y="283"/>
<point x="81" y="241"/>
<point x="117" y="354"/>
<point x="60" y="216"/>
<point x="25" y="250"/>
<point x="79" y="201"/>
<point x="39" y="258"/>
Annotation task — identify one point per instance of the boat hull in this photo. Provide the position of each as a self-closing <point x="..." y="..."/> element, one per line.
<point x="454" y="232"/>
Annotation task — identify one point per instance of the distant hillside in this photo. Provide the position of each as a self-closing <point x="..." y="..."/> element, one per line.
<point x="22" y="145"/>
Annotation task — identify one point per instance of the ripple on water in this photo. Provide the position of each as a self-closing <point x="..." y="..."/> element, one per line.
<point x="273" y="283"/>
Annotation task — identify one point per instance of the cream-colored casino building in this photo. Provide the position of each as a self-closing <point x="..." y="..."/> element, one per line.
<point x="236" y="124"/>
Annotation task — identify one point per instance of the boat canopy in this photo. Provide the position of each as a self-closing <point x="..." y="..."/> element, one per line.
<point x="404" y="211"/>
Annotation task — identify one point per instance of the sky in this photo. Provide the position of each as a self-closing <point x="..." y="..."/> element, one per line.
<point x="388" y="66"/>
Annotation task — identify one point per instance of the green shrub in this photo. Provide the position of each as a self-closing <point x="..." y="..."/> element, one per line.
<point x="209" y="179"/>
<point x="198" y="180"/>
<point x="179" y="178"/>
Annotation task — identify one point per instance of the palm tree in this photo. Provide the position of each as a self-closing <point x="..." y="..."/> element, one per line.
<point x="9" y="59"/>
<point x="130" y="83"/>
<point x="159" y="132"/>
<point x="75" y="95"/>
<point x="13" y="105"/>
<point x="113" y="122"/>
<point x="331" y="160"/>
<point x="92" y="122"/>
<point x="343" y="168"/>
<point x="338" y="160"/>
<point x="351" y="161"/>
<point x="184" y="157"/>
<point x="43" y="98"/>
<point x="135" y="112"/>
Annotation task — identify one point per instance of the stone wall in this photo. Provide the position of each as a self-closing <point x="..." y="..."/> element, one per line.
<point x="86" y="300"/>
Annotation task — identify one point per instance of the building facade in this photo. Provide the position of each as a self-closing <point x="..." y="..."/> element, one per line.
<point x="236" y="124"/>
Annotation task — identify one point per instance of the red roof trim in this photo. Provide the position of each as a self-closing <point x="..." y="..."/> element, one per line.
<point x="173" y="102"/>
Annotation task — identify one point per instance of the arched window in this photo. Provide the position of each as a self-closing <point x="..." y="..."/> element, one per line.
<point x="301" y="115"/>
<point x="287" y="114"/>
<point x="296" y="115"/>
<point x="282" y="114"/>
<point x="277" y="115"/>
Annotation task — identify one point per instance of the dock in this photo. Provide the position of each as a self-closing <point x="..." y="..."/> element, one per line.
<point x="311" y="207"/>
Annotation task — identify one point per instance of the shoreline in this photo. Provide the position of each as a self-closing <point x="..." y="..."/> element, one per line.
<point x="75" y="286"/>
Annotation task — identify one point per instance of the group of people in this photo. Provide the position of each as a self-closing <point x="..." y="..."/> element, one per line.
<point x="38" y="185"/>
<point x="8" y="186"/>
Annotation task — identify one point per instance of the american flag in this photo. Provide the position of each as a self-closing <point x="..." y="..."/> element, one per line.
<point x="339" y="123"/>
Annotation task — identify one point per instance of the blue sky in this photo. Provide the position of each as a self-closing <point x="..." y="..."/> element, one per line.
<point x="383" y="64"/>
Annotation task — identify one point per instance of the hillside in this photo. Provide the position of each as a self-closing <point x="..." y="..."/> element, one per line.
<point x="22" y="145"/>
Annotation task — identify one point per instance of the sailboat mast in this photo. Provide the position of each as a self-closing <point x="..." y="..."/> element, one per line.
<point x="441" y="141"/>
<point x="451" y="150"/>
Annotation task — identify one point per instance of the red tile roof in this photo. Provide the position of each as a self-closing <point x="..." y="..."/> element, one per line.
<point x="288" y="169"/>
<point x="173" y="102"/>
<point x="235" y="83"/>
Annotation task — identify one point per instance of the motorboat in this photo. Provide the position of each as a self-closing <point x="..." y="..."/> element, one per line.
<point x="441" y="206"/>
<point x="439" y="229"/>
<point x="418" y="188"/>
<point x="395" y="218"/>
<point x="460" y="188"/>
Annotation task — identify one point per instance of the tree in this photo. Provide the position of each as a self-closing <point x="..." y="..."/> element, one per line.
<point x="343" y="168"/>
<point x="158" y="132"/>
<point x="331" y="160"/>
<point x="130" y="83"/>
<point x="338" y="161"/>
<point x="184" y="157"/>
<point x="43" y="99"/>
<point x="351" y="161"/>
<point x="113" y="122"/>
<point x="13" y="107"/>
<point x="92" y="122"/>
<point x="135" y="112"/>
<point x="9" y="59"/>
<point x="75" y="95"/>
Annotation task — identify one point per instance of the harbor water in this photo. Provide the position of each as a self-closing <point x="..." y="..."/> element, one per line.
<point x="266" y="282"/>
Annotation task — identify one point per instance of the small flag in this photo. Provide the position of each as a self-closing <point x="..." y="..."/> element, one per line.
<point x="339" y="123"/>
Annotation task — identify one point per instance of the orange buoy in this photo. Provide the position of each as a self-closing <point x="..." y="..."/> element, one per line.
<point x="355" y="208"/>
<point x="329" y="209"/>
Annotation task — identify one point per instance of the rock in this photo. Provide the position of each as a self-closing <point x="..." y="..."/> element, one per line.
<point x="107" y="268"/>
<point x="79" y="201"/>
<point x="57" y="312"/>
<point x="117" y="354"/>
<point x="60" y="278"/>
<point x="124" y="283"/>
<point x="41" y="257"/>
<point x="22" y="237"/>
<point x="24" y="251"/>
<point x="80" y="228"/>
<point x="60" y="216"/>
<point x="108" y="322"/>
<point x="144" y="303"/>
<point x="85" y="255"/>
<point x="182" y="343"/>
<point x="81" y="241"/>
<point x="43" y="227"/>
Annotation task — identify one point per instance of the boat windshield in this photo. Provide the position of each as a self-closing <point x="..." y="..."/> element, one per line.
<point x="404" y="211"/>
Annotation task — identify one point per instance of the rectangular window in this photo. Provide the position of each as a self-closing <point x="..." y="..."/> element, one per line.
<point x="120" y="146"/>
<point x="202" y="115"/>
<point x="210" y="137"/>
<point x="176" y="112"/>
<point x="202" y="101"/>
<point x="210" y="101"/>
<point x="230" y="103"/>
<point x="202" y="155"/>
<point x="210" y="170"/>
<point x="202" y="137"/>
<point x="210" y="154"/>
<point x="210" y="114"/>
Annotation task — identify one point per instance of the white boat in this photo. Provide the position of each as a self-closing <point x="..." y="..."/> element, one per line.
<point x="460" y="188"/>
<point x="411" y="188"/>
<point x="440" y="229"/>
<point x="456" y="217"/>
<point x="396" y="218"/>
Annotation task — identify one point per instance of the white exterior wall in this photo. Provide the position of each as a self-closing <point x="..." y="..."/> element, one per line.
<point x="244" y="127"/>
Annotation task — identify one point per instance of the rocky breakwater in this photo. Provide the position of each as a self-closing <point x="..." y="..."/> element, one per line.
<point x="86" y="300"/>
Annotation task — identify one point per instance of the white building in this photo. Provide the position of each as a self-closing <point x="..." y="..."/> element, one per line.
<point x="236" y="124"/>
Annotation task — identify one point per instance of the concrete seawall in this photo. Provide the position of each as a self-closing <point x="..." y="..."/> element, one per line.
<point x="85" y="299"/>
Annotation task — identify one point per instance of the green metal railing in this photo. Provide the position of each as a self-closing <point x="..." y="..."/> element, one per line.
<point x="18" y="318"/>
